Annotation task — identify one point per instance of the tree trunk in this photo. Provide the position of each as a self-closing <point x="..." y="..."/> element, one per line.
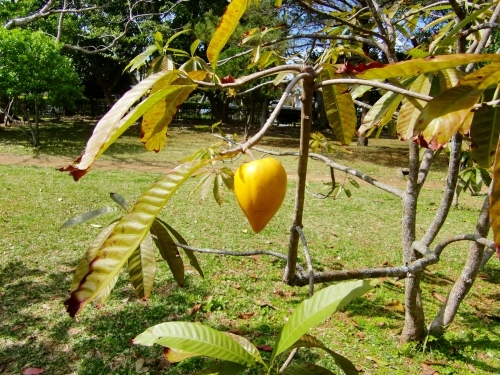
<point x="414" y="314"/>
<point x="464" y="283"/>
<point x="305" y="132"/>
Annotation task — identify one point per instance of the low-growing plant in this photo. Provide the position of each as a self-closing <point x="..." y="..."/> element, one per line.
<point x="182" y="340"/>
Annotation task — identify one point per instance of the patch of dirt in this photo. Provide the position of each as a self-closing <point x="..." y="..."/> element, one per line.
<point x="58" y="162"/>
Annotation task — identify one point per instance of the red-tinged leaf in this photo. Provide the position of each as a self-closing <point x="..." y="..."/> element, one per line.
<point x="427" y="65"/>
<point x="227" y="79"/>
<point x="32" y="371"/>
<point x="127" y="236"/>
<point x="227" y="25"/>
<point x="112" y="125"/>
<point x="495" y="201"/>
<point x="444" y="115"/>
<point x="155" y="121"/>
<point x="359" y="68"/>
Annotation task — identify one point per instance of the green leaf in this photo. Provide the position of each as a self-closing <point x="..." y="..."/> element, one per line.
<point x="339" y="107"/>
<point x="189" y="253"/>
<point x="317" y="308"/>
<point x="307" y="341"/>
<point x="227" y="177"/>
<point x="223" y="368"/>
<point x="428" y="65"/>
<point x="382" y="111"/>
<point x="140" y="59"/>
<point x="411" y="108"/>
<point x="353" y="182"/>
<point x="248" y="346"/>
<point x="142" y="268"/>
<point x="484" y="132"/>
<point x="196" y="338"/>
<point x="87" y="216"/>
<point x="226" y="28"/>
<point x="168" y="250"/>
<point x="194" y="46"/>
<point x="122" y="202"/>
<point x="127" y="235"/>
<point x="307" y="369"/>
<point x="83" y="265"/>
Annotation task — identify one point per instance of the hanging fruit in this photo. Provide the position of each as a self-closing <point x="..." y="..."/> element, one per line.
<point x="260" y="187"/>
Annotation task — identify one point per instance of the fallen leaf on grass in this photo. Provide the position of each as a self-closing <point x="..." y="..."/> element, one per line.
<point x="265" y="304"/>
<point x="265" y="348"/>
<point x="428" y="370"/>
<point x="377" y="361"/>
<point x="247" y="315"/>
<point x="361" y="335"/>
<point x="73" y="331"/>
<point x="16" y="328"/>
<point x="395" y="305"/>
<point x="193" y="311"/>
<point x="438" y="296"/>
<point x="471" y="368"/>
<point x="237" y="286"/>
<point x="139" y="366"/>
<point x="253" y="276"/>
<point x="32" y="371"/>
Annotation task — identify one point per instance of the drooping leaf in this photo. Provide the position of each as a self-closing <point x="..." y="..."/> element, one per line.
<point x="177" y="355"/>
<point x="156" y="120"/>
<point x="449" y="78"/>
<point x="427" y="65"/>
<point x="227" y="177"/>
<point x="83" y="265"/>
<point x="409" y="111"/>
<point x="307" y="369"/>
<point x="104" y="294"/>
<point x="111" y="126"/>
<point x="339" y="108"/>
<point x="127" y="235"/>
<point x="484" y="132"/>
<point x="495" y="201"/>
<point x="445" y="114"/>
<point x="142" y="267"/>
<point x="218" y="189"/>
<point x="317" y="308"/>
<point x="122" y="202"/>
<point x="168" y="251"/>
<point x="196" y="338"/>
<point x="307" y="341"/>
<point x="87" y="216"/>
<point x="190" y="254"/>
<point x="227" y="25"/>
<point x="381" y="112"/>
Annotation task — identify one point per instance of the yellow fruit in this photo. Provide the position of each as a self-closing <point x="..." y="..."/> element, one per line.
<point x="260" y="187"/>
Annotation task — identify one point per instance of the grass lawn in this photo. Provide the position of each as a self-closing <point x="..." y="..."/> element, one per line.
<point x="242" y="295"/>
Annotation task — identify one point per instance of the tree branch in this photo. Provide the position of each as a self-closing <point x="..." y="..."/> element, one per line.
<point x="310" y="268"/>
<point x="379" y="85"/>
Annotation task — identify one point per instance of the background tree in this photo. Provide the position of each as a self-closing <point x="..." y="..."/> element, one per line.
<point x="33" y="72"/>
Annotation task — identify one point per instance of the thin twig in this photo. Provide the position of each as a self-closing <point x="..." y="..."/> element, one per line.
<point x="237" y="253"/>
<point x="289" y="359"/>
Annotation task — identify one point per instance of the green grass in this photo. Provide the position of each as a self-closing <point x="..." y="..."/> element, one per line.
<point x="38" y="262"/>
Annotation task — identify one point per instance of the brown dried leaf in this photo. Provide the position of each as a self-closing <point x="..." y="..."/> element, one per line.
<point x="438" y="296"/>
<point x="32" y="371"/>
<point x="428" y="370"/>
<point x="247" y="315"/>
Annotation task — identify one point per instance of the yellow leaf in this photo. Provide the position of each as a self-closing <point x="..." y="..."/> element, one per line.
<point x="226" y="27"/>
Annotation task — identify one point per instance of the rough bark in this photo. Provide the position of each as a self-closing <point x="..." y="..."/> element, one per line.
<point x="305" y="132"/>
